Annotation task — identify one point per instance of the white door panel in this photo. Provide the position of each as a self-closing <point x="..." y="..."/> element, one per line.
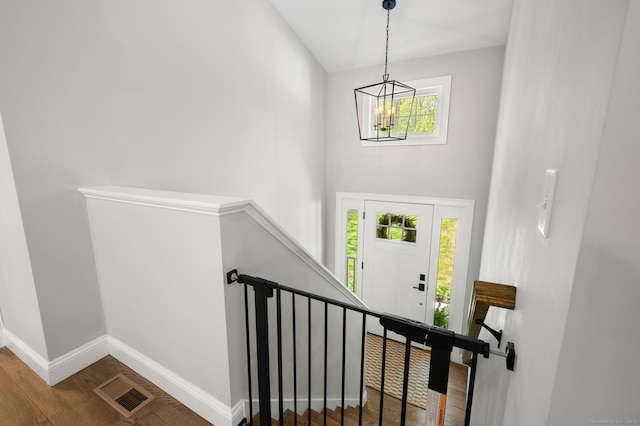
<point x="394" y="260"/>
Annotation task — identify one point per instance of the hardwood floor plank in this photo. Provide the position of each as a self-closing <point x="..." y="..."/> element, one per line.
<point x="50" y="401"/>
<point x="17" y="407"/>
<point x="25" y="399"/>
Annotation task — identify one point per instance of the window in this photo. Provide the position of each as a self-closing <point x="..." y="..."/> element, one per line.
<point x="428" y="124"/>
<point x="397" y="227"/>
<point x="351" y="249"/>
<point x="446" y="262"/>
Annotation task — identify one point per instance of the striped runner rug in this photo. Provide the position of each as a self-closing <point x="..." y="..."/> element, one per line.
<point x="394" y="370"/>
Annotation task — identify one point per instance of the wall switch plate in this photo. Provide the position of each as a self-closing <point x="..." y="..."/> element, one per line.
<point x="546" y="207"/>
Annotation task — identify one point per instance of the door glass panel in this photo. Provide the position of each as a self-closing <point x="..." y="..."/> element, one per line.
<point x="352" y="248"/>
<point x="446" y="258"/>
<point x="397" y="227"/>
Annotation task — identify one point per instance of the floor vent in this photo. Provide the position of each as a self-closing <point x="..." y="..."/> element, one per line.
<point x="124" y="395"/>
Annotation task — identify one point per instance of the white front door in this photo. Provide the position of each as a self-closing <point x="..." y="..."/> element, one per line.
<point x="397" y="243"/>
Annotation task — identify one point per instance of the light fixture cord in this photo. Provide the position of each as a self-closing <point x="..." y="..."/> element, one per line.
<point x="385" y="77"/>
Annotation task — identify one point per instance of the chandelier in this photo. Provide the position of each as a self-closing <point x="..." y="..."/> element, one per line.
<point x="384" y="108"/>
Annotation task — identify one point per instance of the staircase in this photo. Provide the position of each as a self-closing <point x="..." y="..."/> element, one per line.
<point x="370" y="415"/>
<point x="334" y="418"/>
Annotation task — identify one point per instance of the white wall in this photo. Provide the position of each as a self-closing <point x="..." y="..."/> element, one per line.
<point x="161" y="280"/>
<point x="198" y="96"/>
<point x="162" y="258"/>
<point x="559" y="65"/>
<point x="460" y="169"/>
<point x="597" y="375"/>
<point x="18" y="300"/>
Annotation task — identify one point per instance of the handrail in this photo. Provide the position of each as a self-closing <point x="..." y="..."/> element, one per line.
<point x="440" y="340"/>
<point x="460" y="340"/>
<point x="486" y="294"/>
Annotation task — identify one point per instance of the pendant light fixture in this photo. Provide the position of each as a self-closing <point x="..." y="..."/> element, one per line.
<point x="384" y="109"/>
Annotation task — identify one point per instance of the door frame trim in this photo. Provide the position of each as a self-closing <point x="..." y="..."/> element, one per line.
<point x="443" y="207"/>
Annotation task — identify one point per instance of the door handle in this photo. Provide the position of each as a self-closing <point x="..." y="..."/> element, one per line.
<point x="420" y="287"/>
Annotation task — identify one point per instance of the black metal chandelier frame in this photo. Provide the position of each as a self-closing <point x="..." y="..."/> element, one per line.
<point x="377" y="104"/>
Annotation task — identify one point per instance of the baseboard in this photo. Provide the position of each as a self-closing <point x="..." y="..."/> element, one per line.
<point x="55" y="371"/>
<point x="77" y="360"/>
<point x="186" y="392"/>
<point x="34" y="360"/>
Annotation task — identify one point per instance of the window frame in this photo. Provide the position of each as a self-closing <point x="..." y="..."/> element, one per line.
<point x="439" y="86"/>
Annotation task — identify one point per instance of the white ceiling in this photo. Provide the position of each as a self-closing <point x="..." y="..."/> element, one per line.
<point x="349" y="34"/>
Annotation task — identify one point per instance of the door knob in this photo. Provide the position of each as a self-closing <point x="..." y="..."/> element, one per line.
<point x="420" y="287"/>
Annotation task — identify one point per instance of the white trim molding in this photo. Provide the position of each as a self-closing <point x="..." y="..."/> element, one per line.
<point x="184" y="391"/>
<point x="2" y="342"/>
<point x="194" y="203"/>
<point x="77" y="360"/>
<point x="53" y="372"/>
<point x="34" y="360"/>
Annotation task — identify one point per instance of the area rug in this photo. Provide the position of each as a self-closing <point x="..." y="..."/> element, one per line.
<point x="394" y="370"/>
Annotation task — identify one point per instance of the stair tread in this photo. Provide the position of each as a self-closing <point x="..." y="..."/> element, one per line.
<point x="334" y="417"/>
<point x="331" y="414"/>
<point x="347" y="414"/>
<point x="319" y="417"/>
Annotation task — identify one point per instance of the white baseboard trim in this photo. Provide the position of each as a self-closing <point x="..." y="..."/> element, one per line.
<point x="55" y="371"/>
<point x="34" y="360"/>
<point x="70" y="363"/>
<point x="186" y="392"/>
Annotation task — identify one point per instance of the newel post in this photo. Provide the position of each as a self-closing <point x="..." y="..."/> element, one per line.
<point x="263" y="290"/>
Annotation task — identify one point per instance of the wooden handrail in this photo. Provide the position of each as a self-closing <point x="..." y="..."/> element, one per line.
<point x="486" y="294"/>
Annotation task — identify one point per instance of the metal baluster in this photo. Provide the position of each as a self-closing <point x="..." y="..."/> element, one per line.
<point x="247" y="330"/>
<point x="295" y="366"/>
<point x="362" y="361"/>
<point x="262" y="341"/>
<point x="344" y="355"/>
<point x="472" y="381"/>
<point x="309" y="331"/>
<point x="326" y="335"/>
<point x="405" y="383"/>
<point x="279" y="322"/>
<point x="382" y="368"/>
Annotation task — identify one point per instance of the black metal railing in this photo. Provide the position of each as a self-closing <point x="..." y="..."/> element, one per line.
<point x="441" y="342"/>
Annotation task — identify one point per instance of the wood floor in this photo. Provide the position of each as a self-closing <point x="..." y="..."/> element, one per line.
<point x="25" y="399"/>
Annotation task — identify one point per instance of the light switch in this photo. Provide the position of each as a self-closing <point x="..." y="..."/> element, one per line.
<point x="546" y="206"/>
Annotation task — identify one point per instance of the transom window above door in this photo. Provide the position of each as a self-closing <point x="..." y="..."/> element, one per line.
<point x="426" y="121"/>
